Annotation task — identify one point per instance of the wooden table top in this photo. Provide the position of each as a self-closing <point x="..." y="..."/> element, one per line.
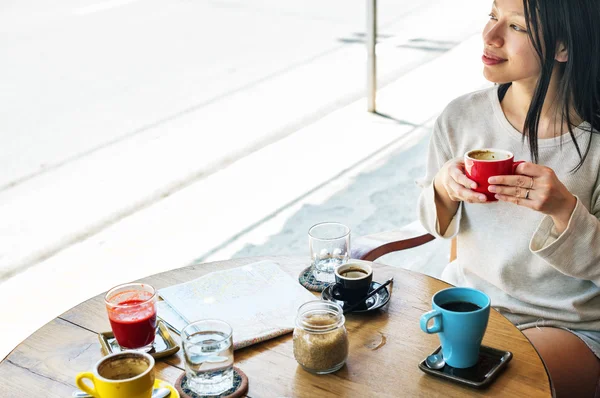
<point x="45" y="364"/>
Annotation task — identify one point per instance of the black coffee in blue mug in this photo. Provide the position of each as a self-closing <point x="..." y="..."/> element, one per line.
<point x="352" y="282"/>
<point x="459" y="317"/>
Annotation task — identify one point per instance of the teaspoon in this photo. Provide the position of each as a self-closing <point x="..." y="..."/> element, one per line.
<point x="435" y="361"/>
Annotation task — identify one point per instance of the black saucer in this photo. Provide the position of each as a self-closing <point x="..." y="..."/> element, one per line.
<point x="491" y="362"/>
<point x="372" y="303"/>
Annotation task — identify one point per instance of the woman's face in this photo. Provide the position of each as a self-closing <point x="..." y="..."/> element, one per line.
<point x="508" y="54"/>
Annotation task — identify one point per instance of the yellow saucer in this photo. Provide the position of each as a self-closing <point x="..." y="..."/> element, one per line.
<point x="160" y="383"/>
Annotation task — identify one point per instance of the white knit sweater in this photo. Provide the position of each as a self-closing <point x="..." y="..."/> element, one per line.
<point x="532" y="275"/>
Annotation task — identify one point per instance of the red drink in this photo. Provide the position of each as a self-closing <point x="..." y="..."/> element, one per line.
<point x="133" y="323"/>
<point x="132" y="315"/>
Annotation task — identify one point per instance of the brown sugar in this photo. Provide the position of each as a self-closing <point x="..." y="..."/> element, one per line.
<point x="322" y="346"/>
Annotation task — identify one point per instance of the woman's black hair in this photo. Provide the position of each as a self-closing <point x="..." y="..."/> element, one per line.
<point x="576" y="25"/>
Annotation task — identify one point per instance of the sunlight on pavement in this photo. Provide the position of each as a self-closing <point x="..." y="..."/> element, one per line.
<point x="102" y="6"/>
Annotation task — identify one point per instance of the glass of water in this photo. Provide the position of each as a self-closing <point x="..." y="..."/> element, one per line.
<point x="208" y="352"/>
<point x="329" y="244"/>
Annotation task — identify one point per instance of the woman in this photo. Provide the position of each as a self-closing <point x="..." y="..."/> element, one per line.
<point x="536" y="251"/>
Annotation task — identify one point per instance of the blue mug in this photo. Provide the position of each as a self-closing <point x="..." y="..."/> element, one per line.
<point x="460" y="316"/>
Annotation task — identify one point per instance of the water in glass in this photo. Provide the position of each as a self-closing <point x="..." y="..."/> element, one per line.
<point x="329" y="244"/>
<point x="209" y="362"/>
<point x="326" y="261"/>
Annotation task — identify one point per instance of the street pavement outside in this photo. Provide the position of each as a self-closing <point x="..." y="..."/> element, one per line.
<point x="227" y="131"/>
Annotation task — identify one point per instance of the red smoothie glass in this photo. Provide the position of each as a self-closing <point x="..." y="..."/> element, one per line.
<point x="132" y="314"/>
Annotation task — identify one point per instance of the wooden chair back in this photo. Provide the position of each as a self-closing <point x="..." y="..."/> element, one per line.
<point x="371" y="247"/>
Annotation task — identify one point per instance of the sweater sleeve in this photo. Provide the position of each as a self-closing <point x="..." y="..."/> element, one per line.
<point x="575" y="252"/>
<point x="438" y="154"/>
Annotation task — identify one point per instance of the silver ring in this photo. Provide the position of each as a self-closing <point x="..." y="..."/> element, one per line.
<point x="531" y="185"/>
<point x="527" y="194"/>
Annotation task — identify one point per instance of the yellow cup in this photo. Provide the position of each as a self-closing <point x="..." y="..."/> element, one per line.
<point x="127" y="374"/>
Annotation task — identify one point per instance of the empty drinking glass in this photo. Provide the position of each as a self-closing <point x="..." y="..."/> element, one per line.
<point x="329" y="244"/>
<point x="208" y="352"/>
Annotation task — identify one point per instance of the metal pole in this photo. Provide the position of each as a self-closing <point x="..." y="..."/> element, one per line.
<point x="371" y="37"/>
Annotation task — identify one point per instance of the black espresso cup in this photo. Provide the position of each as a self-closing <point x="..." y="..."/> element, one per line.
<point x="352" y="282"/>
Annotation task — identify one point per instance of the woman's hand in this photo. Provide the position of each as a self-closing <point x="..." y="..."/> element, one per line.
<point x="452" y="181"/>
<point x="538" y="188"/>
<point x="452" y="186"/>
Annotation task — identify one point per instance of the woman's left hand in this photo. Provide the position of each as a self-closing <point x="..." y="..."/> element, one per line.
<point x="538" y="188"/>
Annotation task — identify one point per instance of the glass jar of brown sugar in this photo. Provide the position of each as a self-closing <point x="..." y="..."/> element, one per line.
<point x="320" y="337"/>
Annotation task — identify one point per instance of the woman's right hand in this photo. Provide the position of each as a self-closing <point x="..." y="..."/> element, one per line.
<point x="452" y="182"/>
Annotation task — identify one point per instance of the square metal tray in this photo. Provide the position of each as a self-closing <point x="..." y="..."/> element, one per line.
<point x="163" y="346"/>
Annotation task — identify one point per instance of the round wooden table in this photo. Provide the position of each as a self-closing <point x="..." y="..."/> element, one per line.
<point x="45" y="364"/>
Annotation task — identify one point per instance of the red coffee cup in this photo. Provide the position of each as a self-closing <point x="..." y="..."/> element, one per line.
<point x="481" y="164"/>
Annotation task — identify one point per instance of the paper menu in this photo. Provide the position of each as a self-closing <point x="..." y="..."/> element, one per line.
<point x="258" y="300"/>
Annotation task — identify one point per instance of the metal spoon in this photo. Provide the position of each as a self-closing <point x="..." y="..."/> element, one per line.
<point x="156" y="393"/>
<point x="435" y="361"/>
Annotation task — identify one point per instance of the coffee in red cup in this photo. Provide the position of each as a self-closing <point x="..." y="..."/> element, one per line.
<point x="481" y="164"/>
